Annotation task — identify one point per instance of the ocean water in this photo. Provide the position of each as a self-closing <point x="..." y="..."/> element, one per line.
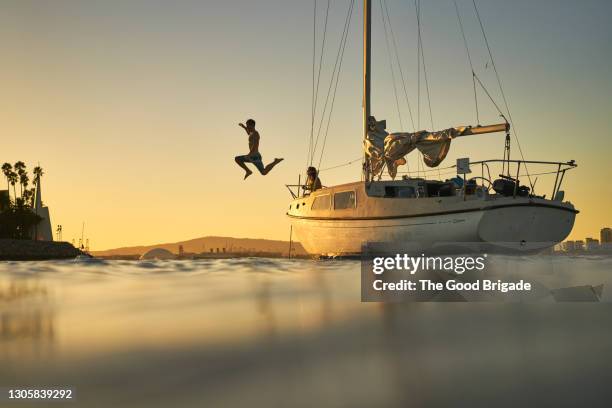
<point x="278" y="333"/>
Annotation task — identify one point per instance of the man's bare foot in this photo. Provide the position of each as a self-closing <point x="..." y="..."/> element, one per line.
<point x="247" y="174"/>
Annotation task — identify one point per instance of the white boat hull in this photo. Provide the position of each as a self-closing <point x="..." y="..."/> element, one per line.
<point x="513" y="229"/>
<point x="504" y="224"/>
<point x="335" y="237"/>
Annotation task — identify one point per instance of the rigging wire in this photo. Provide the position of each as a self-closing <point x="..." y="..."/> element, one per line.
<point x="346" y="31"/>
<point x="316" y="93"/>
<point x="501" y="89"/>
<point x="422" y="53"/>
<point x="467" y="51"/>
<point x="417" y="6"/>
<point x="424" y="65"/>
<point x="314" y="53"/>
<point x="343" y="164"/>
<point x="398" y="64"/>
<point x="391" y="63"/>
<point x="490" y="97"/>
<point x="334" y="78"/>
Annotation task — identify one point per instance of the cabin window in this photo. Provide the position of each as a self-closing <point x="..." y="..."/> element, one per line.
<point x="344" y="200"/>
<point x="321" y="202"/>
<point x="400" y="192"/>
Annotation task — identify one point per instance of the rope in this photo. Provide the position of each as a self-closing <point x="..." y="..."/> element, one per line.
<point x="382" y="13"/>
<point x="501" y="89"/>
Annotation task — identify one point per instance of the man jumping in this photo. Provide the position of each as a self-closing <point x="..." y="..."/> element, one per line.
<point x="253" y="156"/>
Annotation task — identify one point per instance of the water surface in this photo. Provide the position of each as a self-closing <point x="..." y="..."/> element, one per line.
<point x="269" y="332"/>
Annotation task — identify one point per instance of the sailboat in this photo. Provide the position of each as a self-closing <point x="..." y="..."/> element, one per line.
<point x="497" y="214"/>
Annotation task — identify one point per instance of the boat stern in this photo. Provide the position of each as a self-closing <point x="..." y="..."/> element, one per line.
<point x="531" y="225"/>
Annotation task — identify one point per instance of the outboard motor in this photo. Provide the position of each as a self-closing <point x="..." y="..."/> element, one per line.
<point x="505" y="186"/>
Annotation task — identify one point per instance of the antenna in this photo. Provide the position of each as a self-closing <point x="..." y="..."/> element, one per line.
<point x="82" y="233"/>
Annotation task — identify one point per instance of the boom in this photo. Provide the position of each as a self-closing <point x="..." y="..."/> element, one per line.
<point x="479" y="130"/>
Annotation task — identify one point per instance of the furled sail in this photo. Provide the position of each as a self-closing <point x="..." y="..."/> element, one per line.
<point x="433" y="145"/>
<point x="384" y="149"/>
<point x="374" y="145"/>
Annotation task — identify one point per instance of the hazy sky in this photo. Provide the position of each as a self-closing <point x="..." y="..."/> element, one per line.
<point x="131" y="107"/>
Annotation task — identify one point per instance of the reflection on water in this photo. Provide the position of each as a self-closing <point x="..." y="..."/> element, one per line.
<point x="26" y="320"/>
<point x="262" y="332"/>
<point x="29" y="325"/>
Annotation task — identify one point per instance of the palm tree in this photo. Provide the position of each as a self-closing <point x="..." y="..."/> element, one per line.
<point x="20" y="167"/>
<point x="28" y="196"/>
<point x="23" y="181"/>
<point x="13" y="179"/>
<point x="38" y="173"/>
<point x="6" y="170"/>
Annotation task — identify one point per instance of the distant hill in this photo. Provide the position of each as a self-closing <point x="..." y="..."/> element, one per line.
<point x="205" y="244"/>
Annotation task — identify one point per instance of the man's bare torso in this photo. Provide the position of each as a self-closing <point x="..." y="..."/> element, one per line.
<point x="253" y="142"/>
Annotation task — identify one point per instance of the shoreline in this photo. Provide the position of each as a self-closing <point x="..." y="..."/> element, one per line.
<point x="29" y="250"/>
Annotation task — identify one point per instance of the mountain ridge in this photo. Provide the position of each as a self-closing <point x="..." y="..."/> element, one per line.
<point x="206" y="243"/>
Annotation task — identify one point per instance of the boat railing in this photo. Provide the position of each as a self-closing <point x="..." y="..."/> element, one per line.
<point x="294" y="190"/>
<point x="510" y="169"/>
<point x="298" y="190"/>
<point x="515" y="174"/>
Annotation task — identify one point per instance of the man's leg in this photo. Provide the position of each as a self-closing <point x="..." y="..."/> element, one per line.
<point x="240" y="161"/>
<point x="270" y="166"/>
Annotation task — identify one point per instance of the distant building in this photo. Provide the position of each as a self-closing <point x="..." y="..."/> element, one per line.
<point x="42" y="232"/>
<point x="605" y="239"/>
<point x="4" y="199"/>
<point x="605" y="236"/>
<point x="579" y="245"/>
<point x="569" y="246"/>
<point x="591" y="244"/>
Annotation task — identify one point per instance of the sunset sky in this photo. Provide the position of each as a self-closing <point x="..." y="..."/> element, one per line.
<point x="131" y="107"/>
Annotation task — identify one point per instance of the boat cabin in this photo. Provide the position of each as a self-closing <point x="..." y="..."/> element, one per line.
<point x="412" y="188"/>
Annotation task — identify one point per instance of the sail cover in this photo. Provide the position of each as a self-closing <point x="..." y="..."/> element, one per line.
<point x="374" y="144"/>
<point x="384" y="149"/>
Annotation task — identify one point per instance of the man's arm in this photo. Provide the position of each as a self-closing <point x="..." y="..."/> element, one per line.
<point x="244" y="127"/>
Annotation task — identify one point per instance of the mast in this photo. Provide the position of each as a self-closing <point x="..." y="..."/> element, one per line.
<point x="367" y="36"/>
